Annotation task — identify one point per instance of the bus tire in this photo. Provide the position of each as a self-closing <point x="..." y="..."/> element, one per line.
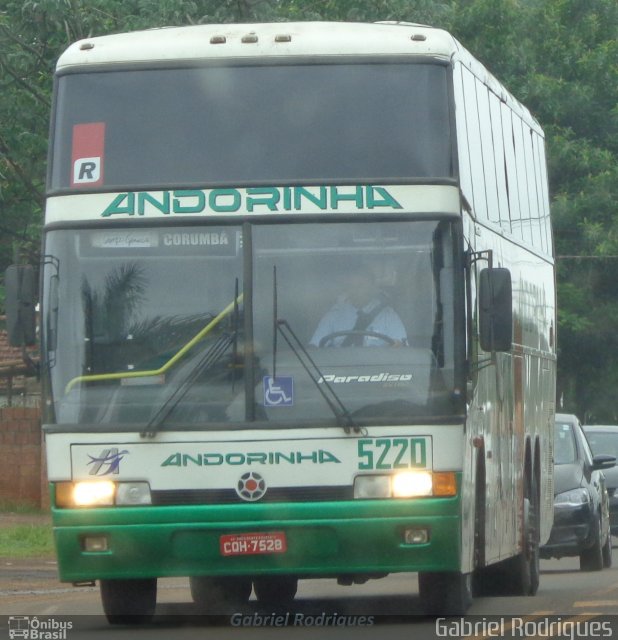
<point x="275" y="590"/>
<point x="219" y="594"/>
<point x="129" y="601"/>
<point x="481" y="578"/>
<point x="445" y="593"/>
<point x="523" y="570"/>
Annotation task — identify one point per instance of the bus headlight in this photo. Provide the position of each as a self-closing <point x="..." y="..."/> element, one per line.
<point x="368" y="487"/>
<point x="409" y="484"/>
<point x="102" y="493"/>
<point x="133" y="493"/>
<point x="406" y="484"/>
<point x="94" y="494"/>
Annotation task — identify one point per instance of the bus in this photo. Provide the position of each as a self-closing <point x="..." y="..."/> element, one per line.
<point x="214" y="192"/>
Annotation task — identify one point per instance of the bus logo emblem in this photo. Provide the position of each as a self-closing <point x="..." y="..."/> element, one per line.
<point x="251" y="486"/>
<point x="107" y="462"/>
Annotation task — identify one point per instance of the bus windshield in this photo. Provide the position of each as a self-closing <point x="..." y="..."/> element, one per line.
<point x="161" y="326"/>
<point x="240" y="125"/>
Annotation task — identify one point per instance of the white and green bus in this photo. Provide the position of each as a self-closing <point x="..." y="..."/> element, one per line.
<point x="212" y="193"/>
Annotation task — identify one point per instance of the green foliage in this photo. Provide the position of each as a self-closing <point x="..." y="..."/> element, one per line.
<point x="560" y="57"/>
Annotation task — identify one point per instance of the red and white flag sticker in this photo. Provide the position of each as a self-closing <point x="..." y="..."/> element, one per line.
<point x="87" y="155"/>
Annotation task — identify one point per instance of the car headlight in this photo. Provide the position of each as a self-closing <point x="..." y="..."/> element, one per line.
<point x="575" y="498"/>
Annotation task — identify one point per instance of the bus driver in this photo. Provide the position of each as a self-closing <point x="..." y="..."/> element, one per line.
<point x="361" y="316"/>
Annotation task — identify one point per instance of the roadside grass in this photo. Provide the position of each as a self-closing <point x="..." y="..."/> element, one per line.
<point x="26" y="541"/>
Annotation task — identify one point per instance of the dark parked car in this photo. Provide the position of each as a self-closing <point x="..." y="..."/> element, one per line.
<point x="581" y="503"/>
<point x="604" y="439"/>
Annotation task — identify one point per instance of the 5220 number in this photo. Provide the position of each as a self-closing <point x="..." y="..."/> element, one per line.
<point x="392" y="453"/>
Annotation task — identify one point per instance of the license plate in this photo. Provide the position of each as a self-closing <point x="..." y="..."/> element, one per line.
<point x="251" y="544"/>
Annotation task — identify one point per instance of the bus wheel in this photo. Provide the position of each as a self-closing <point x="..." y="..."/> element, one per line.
<point x="522" y="572"/>
<point x="275" y="590"/>
<point x="129" y="601"/>
<point x="448" y="593"/>
<point x="219" y="595"/>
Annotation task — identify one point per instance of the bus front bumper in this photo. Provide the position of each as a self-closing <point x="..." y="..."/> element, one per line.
<point x="361" y="537"/>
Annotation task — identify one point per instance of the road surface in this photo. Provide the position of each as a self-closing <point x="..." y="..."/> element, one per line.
<point x="387" y="608"/>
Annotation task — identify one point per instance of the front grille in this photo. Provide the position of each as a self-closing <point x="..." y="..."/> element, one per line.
<point x="229" y="496"/>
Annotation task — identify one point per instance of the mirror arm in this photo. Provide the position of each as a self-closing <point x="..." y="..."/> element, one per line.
<point x="477" y="256"/>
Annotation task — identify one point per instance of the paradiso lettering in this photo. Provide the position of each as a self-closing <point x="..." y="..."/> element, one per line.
<point x="253" y="200"/>
<point x="271" y="457"/>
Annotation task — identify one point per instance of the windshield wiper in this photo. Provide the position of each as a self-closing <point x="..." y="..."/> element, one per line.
<point x="208" y="360"/>
<point x="342" y="415"/>
<point x="210" y="357"/>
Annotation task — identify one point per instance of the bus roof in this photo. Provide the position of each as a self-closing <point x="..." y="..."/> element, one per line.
<point x="278" y="40"/>
<point x="250" y="40"/>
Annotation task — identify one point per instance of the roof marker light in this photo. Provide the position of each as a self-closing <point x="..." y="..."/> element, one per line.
<point x="218" y="40"/>
<point x="418" y="37"/>
<point x="85" y="46"/>
<point x="250" y="38"/>
<point x="284" y="37"/>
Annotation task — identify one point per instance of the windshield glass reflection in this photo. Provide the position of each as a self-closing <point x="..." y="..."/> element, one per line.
<point x="349" y="323"/>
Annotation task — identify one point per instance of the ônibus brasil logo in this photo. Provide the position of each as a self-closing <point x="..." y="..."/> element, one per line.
<point x="251" y="486"/>
<point x="33" y="628"/>
<point x="107" y="462"/>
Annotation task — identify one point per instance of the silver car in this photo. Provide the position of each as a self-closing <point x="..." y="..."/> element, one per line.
<point x="603" y="439"/>
<point x="581" y="505"/>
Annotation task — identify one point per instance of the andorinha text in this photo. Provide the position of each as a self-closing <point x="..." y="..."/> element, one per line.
<point x="271" y="457"/>
<point x="252" y="200"/>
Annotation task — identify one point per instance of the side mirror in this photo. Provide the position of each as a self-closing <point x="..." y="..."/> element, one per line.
<point x="495" y="309"/>
<point x="20" y="287"/>
<point x="603" y="461"/>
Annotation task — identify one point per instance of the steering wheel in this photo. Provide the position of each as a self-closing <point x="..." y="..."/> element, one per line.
<point x="356" y="332"/>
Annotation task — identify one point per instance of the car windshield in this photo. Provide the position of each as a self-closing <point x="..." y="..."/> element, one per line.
<point x="603" y="442"/>
<point x="565" y="449"/>
<point x="222" y="324"/>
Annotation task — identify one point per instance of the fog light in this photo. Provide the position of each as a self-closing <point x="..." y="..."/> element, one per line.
<point x="367" y="487"/>
<point x="95" y="543"/>
<point x="416" y="536"/>
<point x="409" y="484"/>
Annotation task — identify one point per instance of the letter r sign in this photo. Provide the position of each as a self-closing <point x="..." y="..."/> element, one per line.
<point x="88" y="152"/>
<point x="87" y="170"/>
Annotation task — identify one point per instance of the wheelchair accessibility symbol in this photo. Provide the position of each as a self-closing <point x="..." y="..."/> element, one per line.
<point x="279" y="391"/>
